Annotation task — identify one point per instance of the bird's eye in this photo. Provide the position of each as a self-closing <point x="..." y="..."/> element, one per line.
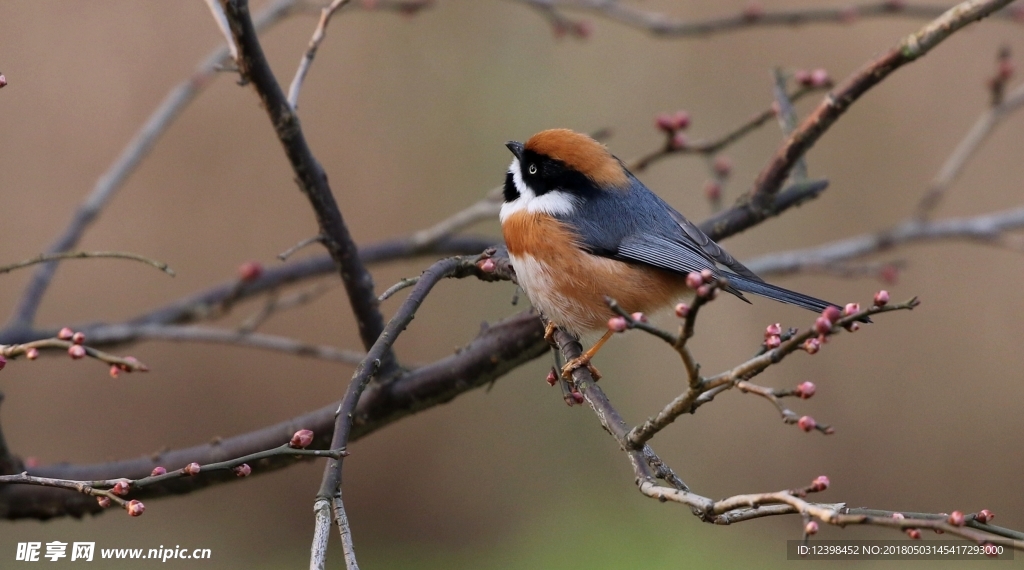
<point x="532" y="169"/>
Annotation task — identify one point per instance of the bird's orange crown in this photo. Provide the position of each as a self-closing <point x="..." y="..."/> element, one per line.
<point x="581" y="153"/>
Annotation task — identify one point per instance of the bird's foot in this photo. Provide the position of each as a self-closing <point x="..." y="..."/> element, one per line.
<point x="549" y="333"/>
<point x="580" y="362"/>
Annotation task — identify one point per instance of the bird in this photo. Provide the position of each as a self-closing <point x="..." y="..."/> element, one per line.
<point x="580" y="228"/>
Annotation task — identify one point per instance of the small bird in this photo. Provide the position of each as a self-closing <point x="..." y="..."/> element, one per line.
<point x="579" y="227"/>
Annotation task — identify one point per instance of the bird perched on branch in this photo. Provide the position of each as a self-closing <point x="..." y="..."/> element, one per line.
<point x="581" y="228"/>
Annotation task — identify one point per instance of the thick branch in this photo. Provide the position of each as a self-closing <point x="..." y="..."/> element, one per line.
<point x="311" y="177"/>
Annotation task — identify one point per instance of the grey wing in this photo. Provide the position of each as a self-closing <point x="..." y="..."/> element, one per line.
<point x="712" y="249"/>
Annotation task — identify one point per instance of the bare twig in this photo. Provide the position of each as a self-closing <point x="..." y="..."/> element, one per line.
<point x="770" y="180"/>
<point x="311" y="178"/>
<point x="136" y="150"/>
<point x="956" y="162"/>
<point x="314" y="43"/>
<point x="45" y="257"/>
<point x="751" y="17"/>
<point x="222" y="24"/>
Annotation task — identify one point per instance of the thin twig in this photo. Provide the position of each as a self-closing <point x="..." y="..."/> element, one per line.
<point x="137" y="149"/>
<point x="910" y="48"/>
<point x="45" y="257"/>
<point x="222" y="25"/>
<point x="314" y="43"/>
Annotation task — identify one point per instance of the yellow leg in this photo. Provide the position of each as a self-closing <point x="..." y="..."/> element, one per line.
<point x="584" y="359"/>
<point x="549" y="332"/>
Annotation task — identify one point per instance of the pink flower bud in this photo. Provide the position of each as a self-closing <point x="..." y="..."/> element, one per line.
<point x="820" y="78"/>
<point x="487" y="265"/>
<point x="753" y="12"/>
<point x="191" y="469"/>
<point x="913" y="533"/>
<point x="811" y="528"/>
<point x="707" y="275"/>
<point x="682" y="309"/>
<point x="881" y="298"/>
<point x="820" y="483"/>
<point x="812" y="345"/>
<point x="722" y="165"/>
<point x="664" y="122"/>
<point x="984" y="516"/>
<point x="65" y="333"/>
<point x="250" y="271"/>
<point x="772" y="342"/>
<point x="115" y="371"/>
<point x="853" y="327"/>
<point x="617" y="324"/>
<point x="773" y="330"/>
<point x="135" y="508"/>
<point x="851" y="309"/>
<point x="803" y="77"/>
<point x="822" y="325"/>
<point x="806" y="389"/>
<point x="577" y="397"/>
<point x="32" y="353"/>
<point x="103" y="501"/>
<point x="301" y="439"/>
<point x="3" y="362"/>
<point x="831" y="313"/>
<point x="704" y="291"/>
<point x="552" y="378"/>
<point x="713" y="190"/>
<point x="157" y="471"/>
<point x="694" y="280"/>
<point x="243" y="470"/>
<point x="120" y="488"/>
<point x="807" y="423"/>
<point x="639" y="317"/>
<point x="956" y="518"/>
<point x="3" y="81"/>
<point x="681" y="120"/>
<point x="76" y="351"/>
<point x="898" y="516"/>
<point x="679" y="141"/>
<point x="78" y="338"/>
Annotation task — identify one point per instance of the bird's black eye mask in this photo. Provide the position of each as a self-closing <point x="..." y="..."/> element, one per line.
<point x="544" y="174"/>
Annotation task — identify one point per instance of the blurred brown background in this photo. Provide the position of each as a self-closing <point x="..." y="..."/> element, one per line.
<point x="408" y="116"/>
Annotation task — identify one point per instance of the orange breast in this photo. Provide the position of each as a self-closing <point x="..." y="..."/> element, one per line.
<point x="568" y="285"/>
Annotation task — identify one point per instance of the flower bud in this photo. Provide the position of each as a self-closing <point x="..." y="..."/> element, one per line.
<point x="773" y="330"/>
<point x="913" y="533"/>
<point x="32" y="353"/>
<point x="805" y="390"/>
<point x="664" y="122"/>
<point x="250" y="271"/>
<point x="552" y="378"/>
<point x="772" y="342"/>
<point x="65" y="333"/>
<point x="820" y="483"/>
<point x="898" y="516"/>
<point x="851" y="309"/>
<point x="639" y="317"/>
<point x="120" y="488"/>
<point x="984" y="516"/>
<point x="682" y="309"/>
<point x="103" y="501"/>
<point x="707" y="275"/>
<point x="881" y="298"/>
<point x="76" y="351"/>
<point x="191" y="469"/>
<point x="78" y="338"/>
<point x="577" y="397"/>
<point x="694" y="280"/>
<point x="243" y="470"/>
<point x="617" y="324"/>
<point x="956" y="518"/>
<point x="487" y="265"/>
<point x="301" y="439"/>
<point x="135" y="508"/>
<point x="681" y="120"/>
<point x="679" y="141"/>
<point x="115" y="371"/>
<point x="820" y="78"/>
<point x="157" y="471"/>
<point x="811" y="527"/>
<point x="832" y="313"/>
<point x="822" y="325"/>
<point x="807" y="423"/>
<point x="812" y="345"/>
<point x="3" y="362"/>
<point x="722" y="165"/>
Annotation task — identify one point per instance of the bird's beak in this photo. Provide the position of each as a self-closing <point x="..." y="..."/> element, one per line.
<point x="516" y="148"/>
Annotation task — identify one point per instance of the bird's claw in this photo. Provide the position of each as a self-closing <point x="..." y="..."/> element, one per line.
<point x="577" y="363"/>
<point x="549" y="332"/>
